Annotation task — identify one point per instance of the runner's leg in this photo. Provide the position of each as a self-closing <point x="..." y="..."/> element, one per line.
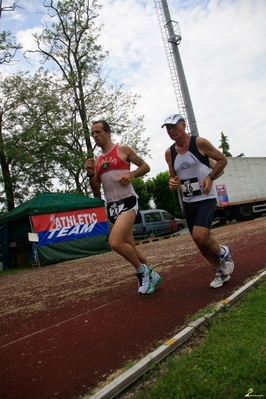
<point x="130" y="240"/>
<point x="119" y="238"/>
<point x="207" y="244"/>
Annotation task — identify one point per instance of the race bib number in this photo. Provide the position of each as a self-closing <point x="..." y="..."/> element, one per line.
<point x="190" y="187"/>
<point x="115" y="209"/>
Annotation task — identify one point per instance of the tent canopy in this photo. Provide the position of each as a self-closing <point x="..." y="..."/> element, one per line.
<point x="85" y="238"/>
<point x="51" y="202"/>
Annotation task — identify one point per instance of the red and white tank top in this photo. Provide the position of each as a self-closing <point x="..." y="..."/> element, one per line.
<point x="111" y="167"/>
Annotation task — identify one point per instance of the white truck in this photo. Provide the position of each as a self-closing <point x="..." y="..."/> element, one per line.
<point x="241" y="189"/>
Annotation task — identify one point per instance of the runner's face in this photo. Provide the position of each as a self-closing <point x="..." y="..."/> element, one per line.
<point x="176" y="131"/>
<point x="99" y="135"/>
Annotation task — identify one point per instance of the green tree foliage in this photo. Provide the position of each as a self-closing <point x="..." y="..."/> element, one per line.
<point x="144" y="195"/>
<point x="8" y="44"/>
<point x="155" y="191"/>
<point x="30" y="114"/>
<point x="69" y="41"/>
<point x="8" y="47"/>
<point x="225" y="147"/>
<point x="162" y="196"/>
<point x="46" y="117"/>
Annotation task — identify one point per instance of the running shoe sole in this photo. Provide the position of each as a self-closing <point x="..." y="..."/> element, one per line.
<point x="219" y="283"/>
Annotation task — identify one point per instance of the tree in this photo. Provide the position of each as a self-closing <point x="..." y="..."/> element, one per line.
<point x="163" y="197"/>
<point x="6" y="177"/>
<point x="8" y="47"/>
<point x="144" y="195"/>
<point x="30" y="114"/>
<point x="70" y="43"/>
<point x="7" y="8"/>
<point x="225" y="146"/>
<point x="46" y="117"/>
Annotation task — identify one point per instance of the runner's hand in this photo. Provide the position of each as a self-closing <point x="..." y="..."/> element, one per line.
<point x="89" y="166"/>
<point x="174" y="183"/>
<point x="125" y="179"/>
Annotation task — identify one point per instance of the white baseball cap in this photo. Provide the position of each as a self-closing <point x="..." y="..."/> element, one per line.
<point x="173" y="119"/>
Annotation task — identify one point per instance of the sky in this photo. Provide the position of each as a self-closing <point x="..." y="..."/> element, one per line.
<point x="223" y="52"/>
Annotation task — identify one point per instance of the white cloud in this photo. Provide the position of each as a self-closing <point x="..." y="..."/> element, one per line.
<point x="26" y="39"/>
<point x="223" y="54"/>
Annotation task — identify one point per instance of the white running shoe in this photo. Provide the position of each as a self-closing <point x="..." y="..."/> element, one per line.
<point x="155" y="280"/>
<point x="226" y="261"/>
<point x="144" y="280"/>
<point x="220" y="278"/>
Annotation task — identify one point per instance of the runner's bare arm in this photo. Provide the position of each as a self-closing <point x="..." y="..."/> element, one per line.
<point x="206" y="148"/>
<point x="174" y="183"/>
<point x="129" y="155"/>
<point x="212" y="165"/>
<point x="95" y="181"/>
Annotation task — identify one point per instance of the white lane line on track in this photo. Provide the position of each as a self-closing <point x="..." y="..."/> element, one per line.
<point x="55" y="325"/>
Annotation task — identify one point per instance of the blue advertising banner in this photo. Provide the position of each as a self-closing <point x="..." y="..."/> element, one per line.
<point x="71" y="225"/>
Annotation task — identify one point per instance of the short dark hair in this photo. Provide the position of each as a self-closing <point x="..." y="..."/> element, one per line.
<point x="106" y="126"/>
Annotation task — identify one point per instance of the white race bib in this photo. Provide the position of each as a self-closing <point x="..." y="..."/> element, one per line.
<point x="190" y="187"/>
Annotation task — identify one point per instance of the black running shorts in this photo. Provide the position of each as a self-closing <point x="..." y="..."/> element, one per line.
<point x="199" y="213"/>
<point x="124" y="205"/>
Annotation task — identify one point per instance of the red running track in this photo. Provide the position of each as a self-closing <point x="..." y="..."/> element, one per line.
<point x="66" y="328"/>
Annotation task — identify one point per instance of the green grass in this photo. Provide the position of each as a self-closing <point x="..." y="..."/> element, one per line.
<point x="15" y="270"/>
<point x="229" y="362"/>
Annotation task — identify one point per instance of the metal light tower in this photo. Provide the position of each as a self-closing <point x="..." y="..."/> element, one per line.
<point x="171" y="37"/>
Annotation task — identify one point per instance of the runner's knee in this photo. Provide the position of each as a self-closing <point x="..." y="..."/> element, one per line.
<point x="114" y="243"/>
<point x="200" y="239"/>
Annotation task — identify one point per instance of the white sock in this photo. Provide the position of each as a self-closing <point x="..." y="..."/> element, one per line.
<point x="140" y="269"/>
<point x="222" y="252"/>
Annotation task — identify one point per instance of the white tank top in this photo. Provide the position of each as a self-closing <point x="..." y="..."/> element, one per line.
<point x="191" y="168"/>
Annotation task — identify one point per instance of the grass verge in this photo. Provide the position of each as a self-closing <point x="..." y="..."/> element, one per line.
<point x="15" y="270"/>
<point x="230" y="361"/>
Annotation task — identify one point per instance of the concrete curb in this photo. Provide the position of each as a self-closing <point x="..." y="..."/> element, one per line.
<point x="122" y="382"/>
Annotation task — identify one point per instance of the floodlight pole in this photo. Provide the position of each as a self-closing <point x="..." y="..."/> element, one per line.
<point x="172" y="37"/>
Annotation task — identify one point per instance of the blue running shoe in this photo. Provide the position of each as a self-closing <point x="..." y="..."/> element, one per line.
<point x="219" y="279"/>
<point x="227" y="264"/>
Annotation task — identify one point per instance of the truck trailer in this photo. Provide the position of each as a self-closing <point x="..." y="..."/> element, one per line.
<point x="241" y="189"/>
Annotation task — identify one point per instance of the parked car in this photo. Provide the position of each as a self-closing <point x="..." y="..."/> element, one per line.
<point x="155" y="223"/>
